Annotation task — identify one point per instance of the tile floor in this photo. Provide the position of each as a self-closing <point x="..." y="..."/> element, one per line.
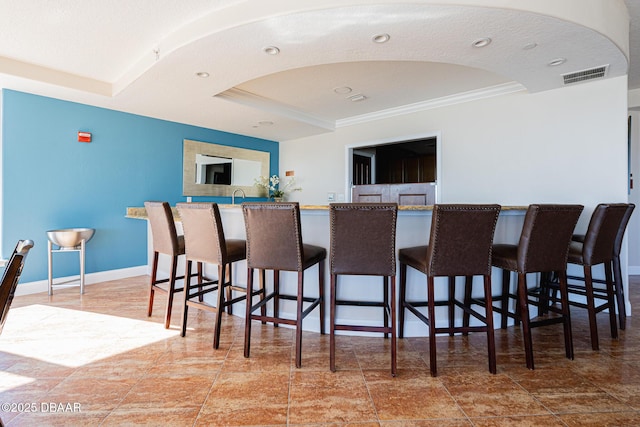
<point x="98" y="360"/>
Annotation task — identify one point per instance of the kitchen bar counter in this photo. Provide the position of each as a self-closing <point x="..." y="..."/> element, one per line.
<point x="141" y="213"/>
<point x="413" y="229"/>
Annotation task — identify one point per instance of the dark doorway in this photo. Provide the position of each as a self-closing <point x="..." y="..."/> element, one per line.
<point x="402" y="162"/>
<point x="361" y="170"/>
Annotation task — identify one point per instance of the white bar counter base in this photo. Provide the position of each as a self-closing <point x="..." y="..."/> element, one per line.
<point x="413" y="227"/>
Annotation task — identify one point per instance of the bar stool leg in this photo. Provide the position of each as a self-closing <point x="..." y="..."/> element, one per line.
<point x="451" y="305"/>
<point x="247" y="320"/>
<point x="82" y="245"/>
<point x="468" y="283"/>
<point x="152" y="291"/>
<point x="566" y="313"/>
<point x="393" y="328"/>
<point x="299" y="319"/>
<point x="220" y="306"/>
<point x="524" y="318"/>
<point x="431" y="312"/>
<point x="50" y="259"/>
<point x="593" y="326"/>
<point x="263" y="283"/>
<point x="611" y="301"/>
<point x="185" y="306"/>
<point x="229" y="275"/>
<point x="321" y="296"/>
<point x="332" y="329"/>
<point x="506" y="290"/>
<point x="491" y="342"/>
<point x="619" y="288"/>
<point x="402" y="297"/>
<point x="276" y="297"/>
<point x="385" y="302"/>
<point x="170" y="292"/>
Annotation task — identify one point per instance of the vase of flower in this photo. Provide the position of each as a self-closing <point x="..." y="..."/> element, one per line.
<point x="275" y="188"/>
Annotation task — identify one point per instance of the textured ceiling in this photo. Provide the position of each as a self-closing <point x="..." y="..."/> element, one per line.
<point x="143" y="56"/>
<point x="634" y="43"/>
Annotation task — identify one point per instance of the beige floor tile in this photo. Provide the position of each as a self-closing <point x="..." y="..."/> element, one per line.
<point x="125" y="368"/>
<point x="327" y="397"/>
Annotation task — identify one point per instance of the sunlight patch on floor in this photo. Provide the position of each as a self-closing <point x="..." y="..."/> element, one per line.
<point x="9" y="381"/>
<point x="65" y="337"/>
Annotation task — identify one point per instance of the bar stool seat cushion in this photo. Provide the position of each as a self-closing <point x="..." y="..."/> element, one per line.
<point x="415" y="256"/>
<point x="313" y="255"/>
<point x="236" y="249"/>
<point x="505" y="256"/>
<point x="575" y="253"/>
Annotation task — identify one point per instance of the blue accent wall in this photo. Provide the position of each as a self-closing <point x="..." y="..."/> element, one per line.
<point x="50" y="180"/>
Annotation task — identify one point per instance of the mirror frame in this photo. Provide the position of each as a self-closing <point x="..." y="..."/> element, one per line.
<point x="191" y="188"/>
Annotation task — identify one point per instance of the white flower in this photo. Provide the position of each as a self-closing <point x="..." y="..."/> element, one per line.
<point x="272" y="185"/>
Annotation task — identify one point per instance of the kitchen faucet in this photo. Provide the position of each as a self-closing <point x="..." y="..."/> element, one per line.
<point x="233" y="195"/>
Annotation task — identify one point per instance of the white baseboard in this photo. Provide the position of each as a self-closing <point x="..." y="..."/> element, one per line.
<point x="89" y="279"/>
<point x="633" y="270"/>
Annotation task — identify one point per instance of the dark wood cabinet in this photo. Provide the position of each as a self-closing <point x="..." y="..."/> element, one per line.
<point x="402" y="194"/>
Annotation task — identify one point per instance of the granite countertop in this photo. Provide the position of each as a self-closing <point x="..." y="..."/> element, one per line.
<point x="141" y="213"/>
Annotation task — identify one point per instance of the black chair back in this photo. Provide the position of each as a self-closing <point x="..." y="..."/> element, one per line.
<point x="11" y="276"/>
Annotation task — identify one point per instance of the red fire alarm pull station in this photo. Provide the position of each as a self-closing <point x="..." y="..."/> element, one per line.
<point x="84" y="137"/>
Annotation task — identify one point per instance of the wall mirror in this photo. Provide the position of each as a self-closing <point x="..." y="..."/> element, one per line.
<point x="217" y="170"/>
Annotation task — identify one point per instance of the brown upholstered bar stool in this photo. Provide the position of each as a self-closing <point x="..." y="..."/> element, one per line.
<point x="363" y="242"/>
<point x="618" y="282"/>
<point x="165" y="241"/>
<point x="205" y="243"/>
<point x="459" y="245"/>
<point x="274" y="242"/>
<point x="598" y="248"/>
<point x="543" y="248"/>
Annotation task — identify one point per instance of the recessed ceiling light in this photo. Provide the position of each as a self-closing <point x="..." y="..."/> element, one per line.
<point x="202" y="74"/>
<point x="485" y="41"/>
<point x="342" y="90"/>
<point x="557" y="61"/>
<point x="381" y="38"/>
<point x="357" y="97"/>
<point x="530" y="46"/>
<point x="271" y="50"/>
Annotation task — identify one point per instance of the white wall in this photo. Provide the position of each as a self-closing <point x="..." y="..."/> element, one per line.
<point x="633" y="229"/>
<point x="563" y="146"/>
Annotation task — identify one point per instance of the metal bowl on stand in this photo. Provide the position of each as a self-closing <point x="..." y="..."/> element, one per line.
<point x="70" y="238"/>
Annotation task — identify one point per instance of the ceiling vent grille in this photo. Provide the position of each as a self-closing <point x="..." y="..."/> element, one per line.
<point x="580" y="76"/>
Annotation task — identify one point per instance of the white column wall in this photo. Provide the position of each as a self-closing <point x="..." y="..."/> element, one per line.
<point x="634" y="194"/>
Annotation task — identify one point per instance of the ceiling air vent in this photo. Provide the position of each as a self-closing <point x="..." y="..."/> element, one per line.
<point x="580" y="76"/>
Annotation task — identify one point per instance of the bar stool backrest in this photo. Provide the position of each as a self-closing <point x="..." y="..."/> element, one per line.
<point x="546" y="234"/>
<point x="274" y="237"/>
<point x="363" y="238"/>
<point x="203" y="233"/>
<point x="10" y="278"/>
<point x="617" y="247"/>
<point x="460" y="239"/>
<point x="601" y="235"/>
<point x="163" y="228"/>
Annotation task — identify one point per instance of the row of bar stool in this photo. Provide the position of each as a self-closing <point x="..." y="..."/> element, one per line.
<point x="363" y="243"/>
